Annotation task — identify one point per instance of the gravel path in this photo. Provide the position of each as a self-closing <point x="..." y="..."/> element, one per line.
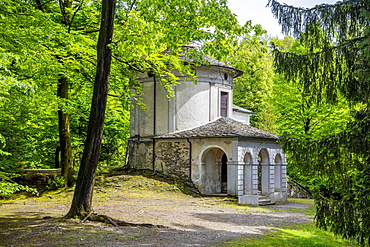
<point x="205" y="221"/>
<point x="187" y="221"/>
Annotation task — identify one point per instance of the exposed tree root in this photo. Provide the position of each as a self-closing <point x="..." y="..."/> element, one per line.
<point x="108" y="220"/>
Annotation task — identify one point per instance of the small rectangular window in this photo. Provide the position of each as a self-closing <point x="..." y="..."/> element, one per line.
<point x="224" y="100"/>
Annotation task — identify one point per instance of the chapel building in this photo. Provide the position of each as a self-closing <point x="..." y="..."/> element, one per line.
<point x="199" y="135"/>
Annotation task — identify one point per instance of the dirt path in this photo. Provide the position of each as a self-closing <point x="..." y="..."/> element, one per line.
<point x="187" y="220"/>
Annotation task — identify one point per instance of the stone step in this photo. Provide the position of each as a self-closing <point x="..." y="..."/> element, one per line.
<point x="215" y="195"/>
<point x="264" y="200"/>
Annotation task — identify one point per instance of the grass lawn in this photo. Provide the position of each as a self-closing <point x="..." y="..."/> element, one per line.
<point x="298" y="235"/>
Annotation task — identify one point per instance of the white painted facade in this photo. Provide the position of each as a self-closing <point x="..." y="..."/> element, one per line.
<point x="193" y="104"/>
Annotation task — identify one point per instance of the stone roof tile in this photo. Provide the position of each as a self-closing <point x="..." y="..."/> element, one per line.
<point x="222" y="127"/>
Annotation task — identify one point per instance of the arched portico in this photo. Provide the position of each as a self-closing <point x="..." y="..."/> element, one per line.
<point x="213" y="171"/>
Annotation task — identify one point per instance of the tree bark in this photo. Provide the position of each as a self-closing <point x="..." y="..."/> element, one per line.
<point x="66" y="159"/>
<point x="82" y="198"/>
<point x="65" y="136"/>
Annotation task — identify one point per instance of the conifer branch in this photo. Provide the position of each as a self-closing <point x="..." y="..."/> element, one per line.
<point x="329" y="18"/>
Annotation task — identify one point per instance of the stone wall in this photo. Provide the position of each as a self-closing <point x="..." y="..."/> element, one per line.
<point x="173" y="158"/>
<point x="295" y="191"/>
<point x="140" y="154"/>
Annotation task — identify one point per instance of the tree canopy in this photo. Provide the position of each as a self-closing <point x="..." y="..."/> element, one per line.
<point x="45" y="43"/>
<point x="335" y="65"/>
<point x="252" y="89"/>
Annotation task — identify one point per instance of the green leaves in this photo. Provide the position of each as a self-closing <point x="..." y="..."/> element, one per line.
<point x="252" y="89"/>
<point x="333" y="68"/>
<point x="39" y="44"/>
<point x="341" y="20"/>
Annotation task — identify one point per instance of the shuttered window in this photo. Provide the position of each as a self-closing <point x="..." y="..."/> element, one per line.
<point x="224" y="100"/>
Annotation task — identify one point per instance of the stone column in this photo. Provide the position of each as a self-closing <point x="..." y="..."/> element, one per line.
<point x="233" y="171"/>
<point x="241" y="181"/>
<point x="248" y="179"/>
<point x="232" y="178"/>
<point x="265" y="179"/>
<point x="283" y="177"/>
<point x="202" y="177"/>
<point x="278" y="177"/>
<point x="250" y="196"/>
<point x="255" y="179"/>
<point x="280" y="194"/>
<point x="217" y="177"/>
<point x="272" y="178"/>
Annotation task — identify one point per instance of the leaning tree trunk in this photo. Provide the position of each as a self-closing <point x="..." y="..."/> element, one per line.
<point x="65" y="136"/>
<point x="82" y="198"/>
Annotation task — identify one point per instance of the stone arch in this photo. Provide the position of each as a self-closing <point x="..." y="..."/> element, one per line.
<point x="212" y="172"/>
<point x="263" y="172"/>
<point x="248" y="174"/>
<point x="248" y="159"/>
<point x="278" y="172"/>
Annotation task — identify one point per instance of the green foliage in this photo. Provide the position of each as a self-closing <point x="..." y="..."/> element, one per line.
<point x="342" y="188"/>
<point x="329" y="43"/>
<point x="34" y="42"/>
<point x="41" y="43"/>
<point x="9" y="187"/>
<point x="54" y="182"/>
<point x="298" y="116"/>
<point x="334" y="67"/>
<point x="116" y="133"/>
<point x="252" y="89"/>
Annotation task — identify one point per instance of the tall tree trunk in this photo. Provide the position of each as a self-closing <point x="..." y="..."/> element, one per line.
<point x="66" y="160"/>
<point x="82" y="198"/>
<point x="65" y="136"/>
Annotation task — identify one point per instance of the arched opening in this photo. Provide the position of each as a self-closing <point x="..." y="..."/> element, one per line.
<point x="278" y="173"/>
<point x="263" y="173"/>
<point x="224" y="174"/>
<point x="214" y="171"/>
<point x="248" y="158"/>
<point x="248" y="174"/>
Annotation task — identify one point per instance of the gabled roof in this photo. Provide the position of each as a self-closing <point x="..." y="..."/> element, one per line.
<point x="222" y="127"/>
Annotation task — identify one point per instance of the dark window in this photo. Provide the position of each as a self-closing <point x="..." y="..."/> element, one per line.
<point x="224" y="100"/>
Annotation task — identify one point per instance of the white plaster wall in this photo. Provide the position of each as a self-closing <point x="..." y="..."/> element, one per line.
<point x="144" y="120"/>
<point x="213" y="102"/>
<point x="191" y="105"/>
<point x="162" y="113"/>
<point x="134" y="127"/>
<point x="241" y="117"/>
